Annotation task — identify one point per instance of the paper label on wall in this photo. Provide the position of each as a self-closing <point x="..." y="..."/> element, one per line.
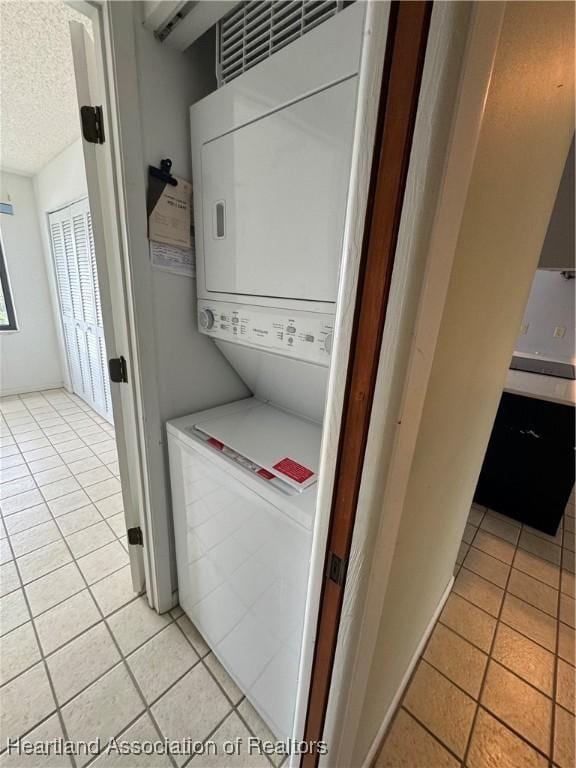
<point x="170" y="258"/>
<point x="170" y="217"/>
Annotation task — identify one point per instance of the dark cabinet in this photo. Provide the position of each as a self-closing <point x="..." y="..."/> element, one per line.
<point x="528" y="471"/>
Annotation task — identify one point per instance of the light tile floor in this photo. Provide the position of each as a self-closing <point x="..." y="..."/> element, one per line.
<point x="494" y="687"/>
<point x="81" y="656"/>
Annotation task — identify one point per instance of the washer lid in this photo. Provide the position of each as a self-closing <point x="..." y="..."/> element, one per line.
<point x="285" y="445"/>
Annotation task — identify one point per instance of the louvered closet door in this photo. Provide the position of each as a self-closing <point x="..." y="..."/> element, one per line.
<point x="75" y="262"/>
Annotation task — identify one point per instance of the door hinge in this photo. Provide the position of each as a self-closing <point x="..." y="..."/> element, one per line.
<point x="118" y="370"/>
<point x="336" y="569"/>
<point x="135" y="536"/>
<point x="92" y="121"/>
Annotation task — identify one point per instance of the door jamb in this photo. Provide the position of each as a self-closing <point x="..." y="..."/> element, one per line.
<point x="356" y="654"/>
<point x="369" y="80"/>
<point x="126" y="146"/>
<point x="134" y="466"/>
<point x="404" y="62"/>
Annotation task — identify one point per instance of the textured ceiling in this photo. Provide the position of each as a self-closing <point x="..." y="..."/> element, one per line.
<point x="38" y="108"/>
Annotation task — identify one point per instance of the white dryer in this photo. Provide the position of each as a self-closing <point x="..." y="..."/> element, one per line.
<point x="271" y="158"/>
<point x="244" y="494"/>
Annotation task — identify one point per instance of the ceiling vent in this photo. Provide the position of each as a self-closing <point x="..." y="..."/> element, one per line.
<point x="255" y="30"/>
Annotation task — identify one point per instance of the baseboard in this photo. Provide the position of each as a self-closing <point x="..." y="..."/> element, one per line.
<point x="372" y="752"/>
<point x="35" y="388"/>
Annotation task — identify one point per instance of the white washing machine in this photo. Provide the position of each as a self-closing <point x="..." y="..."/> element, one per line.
<point x="271" y="156"/>
<point x="244" y="494"/>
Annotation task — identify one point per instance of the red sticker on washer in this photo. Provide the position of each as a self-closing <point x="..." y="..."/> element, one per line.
<point x="265" y="474"/>
<point x="215" y="443"/>
<point x="293" y="470"/>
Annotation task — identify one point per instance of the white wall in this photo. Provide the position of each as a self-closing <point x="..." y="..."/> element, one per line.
<point x="192" y="374"/>
<point x="558" y="251"/>
<point x="551" y="304"/>
<point x="62" y="181"/>
<point x="182" y="370"/>
<point x="29" y="357"/>
<point x="499" y="244"/>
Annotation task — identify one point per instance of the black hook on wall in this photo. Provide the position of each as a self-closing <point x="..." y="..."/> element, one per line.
<point x="163" y="173"/>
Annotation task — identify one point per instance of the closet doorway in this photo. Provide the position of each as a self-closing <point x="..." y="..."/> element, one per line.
<point x="72" y="242"/>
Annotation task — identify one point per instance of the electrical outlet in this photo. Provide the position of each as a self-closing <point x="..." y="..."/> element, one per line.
<point x="524" y="329"/>
<point x="559" y="332"/>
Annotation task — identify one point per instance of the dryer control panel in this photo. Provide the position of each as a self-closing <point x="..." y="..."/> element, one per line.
<point x="304" y="336"/>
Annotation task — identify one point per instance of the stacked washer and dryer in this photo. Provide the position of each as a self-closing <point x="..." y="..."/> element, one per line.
<point x="271" y="155"/>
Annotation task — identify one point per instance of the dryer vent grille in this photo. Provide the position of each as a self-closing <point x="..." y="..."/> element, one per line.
<point x="256" y="29"/>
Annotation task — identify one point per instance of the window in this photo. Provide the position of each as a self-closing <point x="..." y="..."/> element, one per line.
<point x="7" y="316"/>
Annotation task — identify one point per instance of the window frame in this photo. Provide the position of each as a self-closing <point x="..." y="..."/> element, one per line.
<point x="12" y="324"/>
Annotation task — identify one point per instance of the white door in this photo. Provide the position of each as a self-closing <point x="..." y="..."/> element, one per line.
<point x="107" y="247"/>
<point x="75" y="261"/>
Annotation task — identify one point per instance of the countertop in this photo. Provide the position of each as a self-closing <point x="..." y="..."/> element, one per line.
<point x="542" y="387"/>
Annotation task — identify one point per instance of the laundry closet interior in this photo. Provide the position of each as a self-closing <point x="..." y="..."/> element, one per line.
<point x="263" y="114"/>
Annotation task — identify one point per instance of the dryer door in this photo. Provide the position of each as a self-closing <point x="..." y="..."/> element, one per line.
<point x="274" y="198"/>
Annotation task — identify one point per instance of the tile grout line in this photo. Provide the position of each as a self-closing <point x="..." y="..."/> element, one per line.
<point x="516" y="546"/>
<point x="512" y="564"/>
<point x="220" y="686"/>
<point x="61" y="496"/>
<point x="496" y="717"/>
<point x="124" y="660"/>
<point x="47" y="502"/>
<point x="75" y="637"/>
<point x="481" y="575"/>
<point x="123" y="657"/>
<point x="508" y="592"/>
<point x="521" y="549"/>
<point x="498" y="621"/>
<point x="436" y="738"/>
<point x="501" y="562"/>
<point x="134" y="650"/>
<point x="490" y="657"/>
<point x="173" y="684"/>
<point x="555" y="671"/>
<point x="43" y="656"/>
<point x="59" y="568"/>
<point x="480" y="706"/>
<point x="118" y="662"/>
<point x="400" y="706"/>
<point x="57" y="541"/>
<point x="46" y="668"/>
<point x="62" y="535"/>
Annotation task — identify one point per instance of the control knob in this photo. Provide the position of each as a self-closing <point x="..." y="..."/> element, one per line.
<point x="206" y="319"/>
<point x="328" y="343"/>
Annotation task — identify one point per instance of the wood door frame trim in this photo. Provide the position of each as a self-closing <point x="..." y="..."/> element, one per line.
<point x="408" y="29"/>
